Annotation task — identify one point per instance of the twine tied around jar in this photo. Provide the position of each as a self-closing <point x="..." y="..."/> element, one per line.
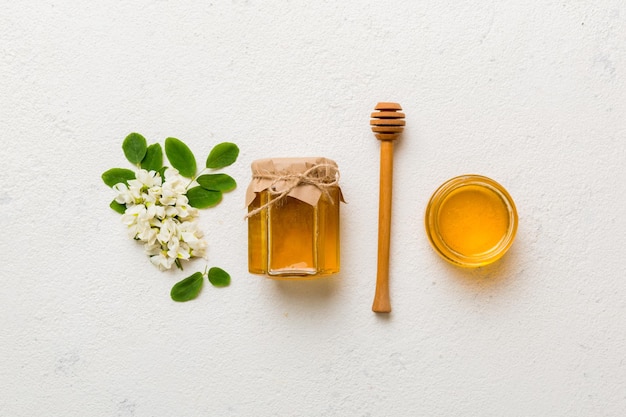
<point x="329" y="178"/>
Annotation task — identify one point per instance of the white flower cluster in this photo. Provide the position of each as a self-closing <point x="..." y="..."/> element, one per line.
<point x="159" y="215"/>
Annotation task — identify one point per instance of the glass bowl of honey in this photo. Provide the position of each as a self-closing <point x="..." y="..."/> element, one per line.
<point x="471" y="221"/>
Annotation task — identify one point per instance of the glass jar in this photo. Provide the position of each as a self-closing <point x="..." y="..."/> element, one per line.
<point x="471" y="220"/>
<point x="293" y="218"/>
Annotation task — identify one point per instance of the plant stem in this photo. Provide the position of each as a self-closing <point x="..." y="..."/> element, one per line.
<point x="194" y="178"/>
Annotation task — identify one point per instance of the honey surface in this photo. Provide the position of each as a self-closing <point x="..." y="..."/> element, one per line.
<point x="473" y="220"/>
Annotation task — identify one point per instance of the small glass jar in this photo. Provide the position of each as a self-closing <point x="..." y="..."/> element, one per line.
<point x="471" y="221"/>
<point x="293" y="218"/>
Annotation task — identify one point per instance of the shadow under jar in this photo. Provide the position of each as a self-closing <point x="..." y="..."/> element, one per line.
<point x="293" y="218"/>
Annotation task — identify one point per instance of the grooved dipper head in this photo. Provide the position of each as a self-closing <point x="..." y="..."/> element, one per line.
<point x="387" y="122"/>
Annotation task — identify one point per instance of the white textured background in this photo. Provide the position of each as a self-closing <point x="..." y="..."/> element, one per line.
<point x="531" y="95"/>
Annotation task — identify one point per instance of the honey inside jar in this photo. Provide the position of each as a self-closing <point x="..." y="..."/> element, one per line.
<point x="471" y="220"/>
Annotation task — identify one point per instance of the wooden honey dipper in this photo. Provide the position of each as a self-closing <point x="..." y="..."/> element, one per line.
<point x="387" y="124"/>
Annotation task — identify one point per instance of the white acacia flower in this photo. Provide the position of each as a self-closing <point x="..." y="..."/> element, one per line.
<point x="162" y="261"/>
<point x="178" y="249"/>
<point x="198" y="248"/>
<point x="132" y="214"/>
<point x="124" y="195"/>
<point x="135" y="188"/>
<point x="185" y="211"/>
<point x="158" y="214"/>
<point x="148" y="235"/>
<point x="167" y="231"/>
<point x="148" y="178"/>
<point x="193" y="237"/>
<point x="170" y="211"/>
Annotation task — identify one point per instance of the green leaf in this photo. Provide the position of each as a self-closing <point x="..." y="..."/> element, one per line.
<point x="188" y="288"/>
<point x="217" y="182"/>
<point x="218" y="277"/>
<point x="153" y="161"/>
<point x="201" y="198"/>
<point x="181" y="157"/>
<point x="120" y="208"/>
<point x="222" y="155"/>
<point x="134" y="147"/>
<point x="162" y="172"/>
<point x="117" y="175"/>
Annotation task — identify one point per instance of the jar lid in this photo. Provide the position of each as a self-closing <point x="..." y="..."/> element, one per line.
<point x="305" y="179"/>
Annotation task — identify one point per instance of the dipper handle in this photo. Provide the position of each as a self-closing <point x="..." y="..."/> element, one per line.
<point x="387" y="124"/>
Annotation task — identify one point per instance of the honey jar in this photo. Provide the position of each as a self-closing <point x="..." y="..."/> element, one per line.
<point x="293" y="218"/>
<point x="471" y="221"/>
